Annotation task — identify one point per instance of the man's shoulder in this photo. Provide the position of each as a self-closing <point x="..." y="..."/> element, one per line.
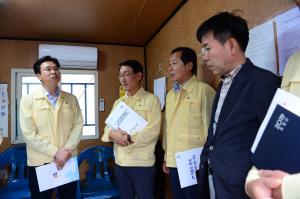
<point x="68" y="96"/>
<point x="33" y="95"/>
<point x="260" y="74"/>
<point x="203" y="85"/>
<point x="150" y="96"/>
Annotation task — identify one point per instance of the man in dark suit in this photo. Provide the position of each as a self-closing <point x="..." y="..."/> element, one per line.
<point x="242" y="100"/>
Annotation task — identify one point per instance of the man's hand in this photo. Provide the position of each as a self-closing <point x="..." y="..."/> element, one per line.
<point x="276" y="193"/>
<point x="268" y="186"/>
<point x="165" y="168"/>
<point x="61" y="157"/>
<point x="119" y="137"/>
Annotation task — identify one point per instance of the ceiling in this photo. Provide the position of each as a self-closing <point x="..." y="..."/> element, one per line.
<point x="121" y="22"/>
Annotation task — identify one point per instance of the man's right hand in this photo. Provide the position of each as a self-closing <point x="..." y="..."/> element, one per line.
<point x="61" y="157"/>
<point x="165" y="168"/>
<point x="119" y="137"/>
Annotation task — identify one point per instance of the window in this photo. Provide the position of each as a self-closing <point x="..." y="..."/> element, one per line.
<point x="81" y="83"/>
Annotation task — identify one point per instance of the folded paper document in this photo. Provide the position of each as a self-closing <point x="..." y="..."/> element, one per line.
<point x="49" y="177"/>
<point x="187" y="163"/>
<point x="125" y="118"/>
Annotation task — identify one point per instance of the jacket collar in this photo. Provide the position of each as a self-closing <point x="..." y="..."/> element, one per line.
<point x="138" y="95"/>
<point x="190" y="84"/>
<point x="40" y="93"/>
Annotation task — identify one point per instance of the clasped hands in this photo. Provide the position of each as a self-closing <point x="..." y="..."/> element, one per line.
<point x="120" y="137"/>
<point x="61" y="157"/>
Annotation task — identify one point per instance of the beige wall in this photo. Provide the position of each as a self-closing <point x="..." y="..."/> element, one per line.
<point x="181" y="30"/>
<point x="22" y="54"/>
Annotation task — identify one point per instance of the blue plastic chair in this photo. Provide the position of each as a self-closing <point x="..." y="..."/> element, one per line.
<point x="99" y="181"/>
<point x="13" y="160"/>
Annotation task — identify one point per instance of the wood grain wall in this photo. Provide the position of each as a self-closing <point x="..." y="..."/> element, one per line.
<point x="181" y="30"/>
<point x="22" y="54"/>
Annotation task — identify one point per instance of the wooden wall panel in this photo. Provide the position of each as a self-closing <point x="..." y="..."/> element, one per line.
<point x="181" y="30"/>
<point x="22" y="54"/>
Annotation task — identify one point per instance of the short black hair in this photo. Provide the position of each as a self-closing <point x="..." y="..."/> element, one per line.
<point x="187" y="55"/>
<point x="225" y="25"/>
<point x="38" y="63"/>
<point x="134" y="64"/>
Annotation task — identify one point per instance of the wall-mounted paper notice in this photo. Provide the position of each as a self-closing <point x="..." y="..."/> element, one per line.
<point x="3" y="110"/>
<point x="288" y="31"/>
<point x="261" y="47"/>
<point x="160" y="90"/>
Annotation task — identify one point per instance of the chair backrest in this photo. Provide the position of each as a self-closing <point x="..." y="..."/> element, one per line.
<point x="99" y="159"/>
<point x="14" y="159"/>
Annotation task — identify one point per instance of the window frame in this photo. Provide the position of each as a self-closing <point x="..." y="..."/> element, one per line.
<point x="16" y="93"/>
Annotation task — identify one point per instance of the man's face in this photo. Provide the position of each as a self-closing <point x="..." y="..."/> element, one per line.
<point x="177" y="70"/>
<point x="215" y="54"/>
<point x="129" y="80"/>
<point x="50" y="74"/>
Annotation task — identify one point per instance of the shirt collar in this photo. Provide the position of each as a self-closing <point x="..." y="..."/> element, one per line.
<point x="47" y="94"/>
<point x="232" y="74"/>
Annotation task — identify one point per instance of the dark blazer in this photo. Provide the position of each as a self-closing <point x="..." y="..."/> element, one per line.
<point x="228" y="150"/>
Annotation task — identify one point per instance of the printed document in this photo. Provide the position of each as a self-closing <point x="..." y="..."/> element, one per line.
<point x="125" y="118"/>
<point x="50" y="177"/>
<point x="187" y="163"/>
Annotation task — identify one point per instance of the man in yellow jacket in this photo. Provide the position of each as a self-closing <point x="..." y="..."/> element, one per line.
<point x="278" y="184"/>
<point x="51" y="123"/>
<point x="188" y="110"/>
<point x="134" y="151"/>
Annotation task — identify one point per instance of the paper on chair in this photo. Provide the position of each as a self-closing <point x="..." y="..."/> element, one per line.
<point x="125" y="118"/>
<point x="187" y="163"/>
<point x="49" y="177"/>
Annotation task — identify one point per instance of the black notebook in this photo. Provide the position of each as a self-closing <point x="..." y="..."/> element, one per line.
<point x="279" y="146"/>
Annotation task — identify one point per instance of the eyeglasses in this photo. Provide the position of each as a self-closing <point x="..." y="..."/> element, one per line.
<point x="204" y="51"/>
<point x="126" y="75"/>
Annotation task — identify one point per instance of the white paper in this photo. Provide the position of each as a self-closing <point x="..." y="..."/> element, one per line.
<point x="261" y="47"/>
<point x="160" y="90"/>
<point x="49" y="177"/>
<point x="286" y="100"/>
<point x="288" y="31"/>
<point x="187" y="163"/>
<point x="125" y="118"/>
<point x="3" y="110"/>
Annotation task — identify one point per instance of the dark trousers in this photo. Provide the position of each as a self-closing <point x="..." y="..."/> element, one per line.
<point x="135" y="181"/>
<point x="178" y="192"/>
<point x="64" y="191"/>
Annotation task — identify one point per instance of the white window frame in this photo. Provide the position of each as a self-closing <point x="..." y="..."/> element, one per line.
<point x="16" y="93"/>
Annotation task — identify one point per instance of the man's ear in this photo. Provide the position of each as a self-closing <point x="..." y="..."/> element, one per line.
<point x="233" y="45"/>
<point x="189" y="65"/>
<point x="39" y="77"/>
<point x="140" y="76"/>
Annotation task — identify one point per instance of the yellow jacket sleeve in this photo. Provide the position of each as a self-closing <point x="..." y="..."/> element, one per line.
<point x="29" y="131"/>
<point x="290" y="187"/>
<point x="150" y="133"/>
